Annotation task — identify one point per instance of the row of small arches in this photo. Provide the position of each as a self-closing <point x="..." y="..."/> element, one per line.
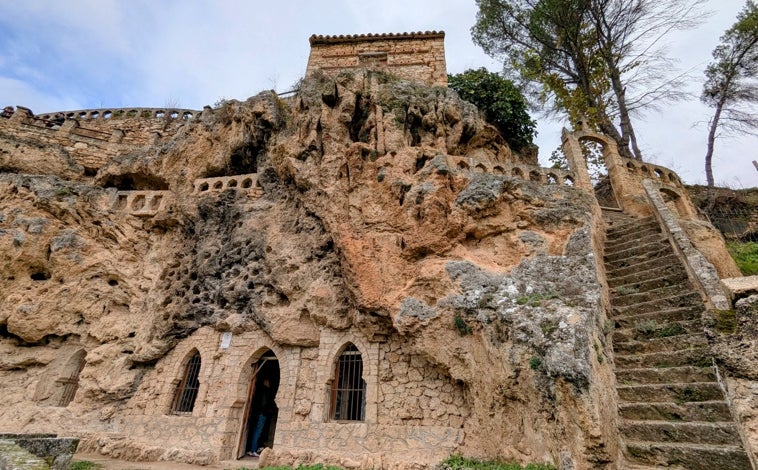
<point x="538" y="176"/>
<point x="147" y="113"/>
<point x="659" y="172"/>
<point x="222" y="184"/>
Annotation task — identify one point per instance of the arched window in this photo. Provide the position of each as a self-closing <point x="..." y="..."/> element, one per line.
<point x="186" y="389"/>
<point x="348" y="387"/>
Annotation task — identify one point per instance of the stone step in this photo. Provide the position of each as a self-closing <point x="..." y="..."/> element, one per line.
<point x="660" y="279"/>
<point x="616" y="242"/>
<point x="724" y="433"/>
<point x="659" y="317"/>
<point x="653" y="328"/>
<point x="708" y="411"/>
<point x="636" y="251"/>
<point x="671" y="269"/>
<point x="670" y="343"/>
<point x="688" y="456"/>
<point x="686" y="357"/>
<point x="677" y="392"/>
<point x="654" y="253"/>
<point x="639" y="239"/>
<point x="684" y="299"/>
<point x="668" y="375"/>
<point x="619" y="230"/>
<point x="651" y="264"/>
<point x="651" y="294"/>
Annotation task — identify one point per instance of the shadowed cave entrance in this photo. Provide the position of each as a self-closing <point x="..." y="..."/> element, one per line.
<point x="260" y="409"/>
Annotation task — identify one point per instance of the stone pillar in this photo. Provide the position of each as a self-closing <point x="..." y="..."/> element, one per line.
<point x="68" y="126"/>
<point x="22" y="114"/>
<point x="116" y="137"/>
<point x="576" y="161"/>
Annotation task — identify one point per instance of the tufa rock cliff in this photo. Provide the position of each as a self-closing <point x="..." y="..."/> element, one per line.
<point x="376" y="212"/>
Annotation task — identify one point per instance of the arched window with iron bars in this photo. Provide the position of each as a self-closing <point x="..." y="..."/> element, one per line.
<point x="188" y="386"/>
<point x="348" y="387"/>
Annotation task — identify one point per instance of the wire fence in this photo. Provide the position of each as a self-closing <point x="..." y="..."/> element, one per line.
<point x="735" y="223"/>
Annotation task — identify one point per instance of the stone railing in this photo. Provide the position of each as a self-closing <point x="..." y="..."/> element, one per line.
<point x="115" y="113"/>
<point x="248" y="183"/>
<point x="699" y="269"/>
<point x="36" y="451"/>
<point x="648" y="170"/>
<point x="524" y="172"/>
<point x="140" y="203"/>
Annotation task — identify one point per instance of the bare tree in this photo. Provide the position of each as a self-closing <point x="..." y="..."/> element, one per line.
<point x="597" y="60"/>
<point x="731" y="85"/>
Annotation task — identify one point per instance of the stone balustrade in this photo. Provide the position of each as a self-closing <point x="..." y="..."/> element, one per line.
<point x="524" y="172"/>
<point x="114" y="113"/>
<point x="248" y="183"/>
<point x="645" y="170"/>
<point x="140" y="203"/>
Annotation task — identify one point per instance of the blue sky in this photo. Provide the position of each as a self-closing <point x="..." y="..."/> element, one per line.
<point x="57" y="56"/>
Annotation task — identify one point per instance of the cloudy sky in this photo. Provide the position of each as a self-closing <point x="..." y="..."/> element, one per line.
<point x="65" y="55"/>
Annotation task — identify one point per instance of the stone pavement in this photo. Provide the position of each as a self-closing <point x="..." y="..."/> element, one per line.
<point x="115" y="464"/>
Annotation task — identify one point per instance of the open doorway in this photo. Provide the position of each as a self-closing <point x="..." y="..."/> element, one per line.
<point x="261" y="411"/>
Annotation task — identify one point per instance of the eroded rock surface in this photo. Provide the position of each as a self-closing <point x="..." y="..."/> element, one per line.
<point x="385" y="211"/>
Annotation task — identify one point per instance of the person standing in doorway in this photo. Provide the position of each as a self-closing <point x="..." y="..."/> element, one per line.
<point x="266" y="409"/>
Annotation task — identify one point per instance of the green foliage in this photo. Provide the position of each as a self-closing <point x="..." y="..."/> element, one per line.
<point x="597" y="61"/>
<point x="726" y="321"/>
<point x="501" y="102"/>
<point x="461" y="325"/>
<point x="745" y="254"/>
<point x="623" y="290"/>
<point x="535" y="362"/>
<point x="534" y="300"/>
<point x="651" y="329"/>
<point x="304" y="467"/>
<point x="458" y="462"/>
<point x="84" y="465"/>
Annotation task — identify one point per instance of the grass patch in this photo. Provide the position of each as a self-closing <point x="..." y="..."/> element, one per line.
<point x="651" y="329"/>
<point x="623" y="290"/>
<point x="303" y="467"/>
<point x="458" y="462"/>
<point x="84" y="465"/>
<point x="461" y="325"/>
<point x="726" y="321"/>
<point x="745" y="254"/>
<point x="535" y="362"/>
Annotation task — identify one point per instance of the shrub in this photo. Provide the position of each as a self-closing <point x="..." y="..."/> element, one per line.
<point x="457" y="462"/>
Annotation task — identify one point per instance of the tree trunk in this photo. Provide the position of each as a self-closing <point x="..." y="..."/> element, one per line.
<point x="627" y="131"/>
<point x="709" y="154"/>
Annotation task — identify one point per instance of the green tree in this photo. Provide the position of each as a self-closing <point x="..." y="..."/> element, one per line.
<point x="598" y="61"/>
<point x="731" y="85"/>
<point x="501" y="102"/>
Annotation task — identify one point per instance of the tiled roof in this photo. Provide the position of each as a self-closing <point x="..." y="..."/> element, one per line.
<point x="320" y="39"/>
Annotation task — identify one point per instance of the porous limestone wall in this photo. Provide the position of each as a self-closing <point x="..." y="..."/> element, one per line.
<point x="419" y="57"/>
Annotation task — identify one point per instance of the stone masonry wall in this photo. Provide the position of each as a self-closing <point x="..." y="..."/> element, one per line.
<point x="418" y="56"/>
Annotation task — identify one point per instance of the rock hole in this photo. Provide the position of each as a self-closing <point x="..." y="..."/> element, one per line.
<point x="41" y="275"/>
<point x="112" y="282"/>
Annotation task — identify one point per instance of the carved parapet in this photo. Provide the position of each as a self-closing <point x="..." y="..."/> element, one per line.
<point x="140" y="203"/>
<point x="247" y="183"/>
<point x="657" y="173"/>
<point x="111" y="113"/>
<point x="524" y="172"/>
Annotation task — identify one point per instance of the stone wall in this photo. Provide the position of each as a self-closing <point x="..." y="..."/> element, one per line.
<point x="411" y="405"/>
<point x="417" y="56"/>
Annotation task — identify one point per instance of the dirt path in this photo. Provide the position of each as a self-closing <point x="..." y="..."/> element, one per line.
<point x="113" y="464"/>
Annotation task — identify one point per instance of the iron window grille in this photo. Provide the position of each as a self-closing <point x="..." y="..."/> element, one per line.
<point x="348" y="387"/>
<point x="186" y="389"/>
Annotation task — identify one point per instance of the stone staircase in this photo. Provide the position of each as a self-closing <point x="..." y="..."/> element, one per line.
<point x="672" y="410"/>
